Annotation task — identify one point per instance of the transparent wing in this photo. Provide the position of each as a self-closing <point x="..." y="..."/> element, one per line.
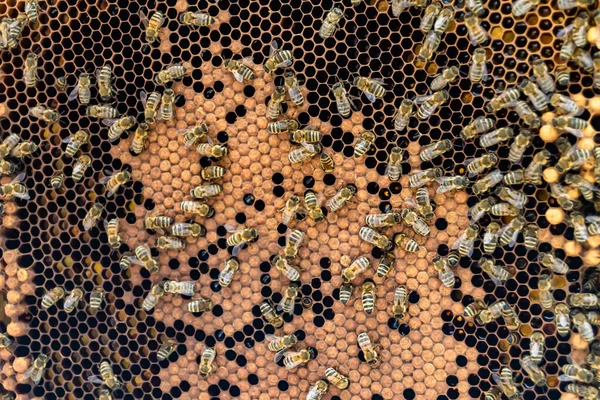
<point x="236" y="249"/>
<point x="459" y="241"/>
<point x="143" y="97"/>
<point x="19" y="178"/>
<point x="370" y="96"/>
<point x="248" y="60"/>
<point x="271" y="338"/>
<point x="74" y="92"/>
<point x="230" y="228"/>
<point x="574" y="132"/>
<point x="422" y="99"/>
<point x="110" y="121"/>
<point x="68" y="140"/>
<point x="592" y="218"/>
<point x="143" y="18"/>
<point x="95" y="379"/>
<point x="273" y="48"/>
<point x="473" y="38"/>
<point x="565" y="31"/>
<point x="484" y="71"/>
<point x="189" y="290"/>
<point x="495" y="279"/>
<point x="565" y="378"/>
<point x="104" y="179"/>
<point x="28" y="373"/>
<point x="279" y="355"/>
<point x="286" y="63"/>
<point x="23" y="196"/>
<point x="238" y="77"/>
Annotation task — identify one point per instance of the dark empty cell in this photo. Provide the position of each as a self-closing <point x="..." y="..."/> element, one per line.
<point x="252" y="379"/>
<point x="441" y="224"/>
<point x="283" y="386"/>
<point x="277" y="178"/>
<point x="308" y="182"/>
<point x="259" y="205"/>
<point x="231" y="117"/>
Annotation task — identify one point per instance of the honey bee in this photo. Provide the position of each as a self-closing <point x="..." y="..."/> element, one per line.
<point x="526" y="114"/>
<point x="496" y="136"/>
<point x="368" y="349"/>
<point x="104" y="79"/>
<point x="545" y="288"/>
<point x="519" y="146"/>
<point x="103" y="112"/>
<point x="214" y="151"/>
<point x="394" y="168"/>
<point x="83" y="89"/>
<point x="478" y="70"/>
<point x="166" y="349"/>
<point x="398" y="6"/>
<point x="491" y="313"/>
<point x="566" y="105"/>
<point x="402" y="117"/>
<point x="522" y="7"/>
<point x="318" y="390"/>
<point x="435" y="149"/>
<point x="118" y="126"/>
<point x="445" y="274"/>
<point x="536" y="374"/>
<point x="478" y="210"/>
<point x="270" y="315"/>
<point x="289" y="299"/>
<point x="343" y="195"/>
<point x="145" y="259"/>
<point x="449" y="183"/>
<point x="232" y="266"/>
<point x="533" y="172"/>
<point x="47" y="115"/>
<point x="112" y="232"/>
<point x="96" y="299"/>
<point x="152" y="110"/>
<point x="37" y="369"/>
<point x="577" y="220"/>
<point x="326" y="163"/>
<point x="274" y="104"/>
<point x="336" y="379"/>
<point x="196" y="19"/>
<point x="199" y="208"/>
<point x="400" y="304"/>
<point x="32" y="11"/>
<point x="278" y="58"/>
<point x="331" y="22"/>
<point x="303" y="153"/>
<point x="404" y="242"/>
<point x="24" y="149"/>
<point x="293" y="359"/>
<point x="169" y="243"/>
<point x="446" y="77"/>
<point x="357" y="267"/>
<point x="344" y="102"/>
<point x="114" y="181"/>
<point x="431" y="103"/>
<point x="504" y="210"/>
<point x="184" y="229"/>
<point x="127" y="259"/>
<point x="207" y="362"/>
<point x="5" y="24"/>
<point x="505" y="98"/>
<point x="508" y="234"/>
<point x="8" y="144"/>
<point x="497" y="273"/>
<point x="584" y="300"/>
<point x="375" y="238"/>
<point x="72" y="300"/>
<point x="584" y="60"/>
<point x="495" y="393"/>
<point x="281" y="343"/>
<point x="239" y="70"/>
<point x="166" y="107"/>
<point x="562" y="73"/>
<point x="306" y="135"/>
<point x="363" y="144"/>
<point x="15" y="30"/>
<point x="543" y="77"/>
<point x="191" y="135"/>
<point x="368" y="296"/>
<point x="292" y="243"/>
<point x="465" y="243"/>
<point x="311" y="203"/>
<point x="240" y="237"/>
<point x="385" y="264"/>
<point x="372" y="88"/>
<point x="51" y="297"/>
<point x="530" y="236"/>
<point x="153" y="25"/>
<point x="577" y="30"/>
<point x="153" y="297"/>
<point x="199" y="305"/>
<point x="443" y="20"/>
<point x="507" y="384"/>
<point x="477" y="165"/>
<point x="6" y="343"/>
<point x="474" y="309"/>
<point x="431" y="13"/>
<point x="477" y="34"/>
<point x="75" y="141"/>
<point x="288" y="213"/>
<point x="583" y="391"/>
<point x="562" y="197"/>
<point x="212" y="172"/>
<point x="563" y="319"/>
<point x="30" y="70"/>
<point x="283" y="126"/>
<point x="594" y="224"/>
<point x="185" y="288"/>
<point x="158" y="222"/>
<point x="420" y="178"/>
<point x="555" y="264"/>
<point x="93" y="215"/>
<point x="346" y="292"/>
<point x="417" y="223"/>
<point x="490" y="238"/>
<point x="140" y="139"/>
<point x="205" y="191"/>
<point x="572" y="125"/>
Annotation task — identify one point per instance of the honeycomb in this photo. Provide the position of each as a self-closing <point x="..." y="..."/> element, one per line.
<point x="434" y="353"/>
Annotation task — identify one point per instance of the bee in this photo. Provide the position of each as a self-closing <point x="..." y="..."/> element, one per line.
<point x="423" y="203"/>
<point x="346" y="292"/>
<point x="198" y="208"/>
<point x="343" y="195"/>
<point x="30" y="70"/>
<point x="596" y="74"/>
<point x="293" y="359"/>
<point x="311" y="203"/>
<point x="118" y="126"/>
<point x="193" y="134"/>
<point x="431" y="13"/>
<point x="508" y="234"/>
<point x="507" y="384"/>
<point x="570" y="124"/>
<point x="31" y="11"/>
<point x="331" y="22"/>
<point x="103" y="112"/>
<point x="526" y="114"/>
<point x="368" y="296"/>
<point x="307" y="135"/>
<point x="385" y="264"/>
<point x="36" y="371"/>
<point x="583" y="391"/>
<point x="281" y="343"/>
<point x="449" y="183"/>
<point x="594" y="224"/>
<point x="495" y="393"/>
<point x="363" y="144"/>
<point x="274" y="104"/>
<point x="196" y="19"/>
<point x="402" y="117"/>
<point x="375" y="238"/>
<point x="239" y="70"/>
<point x="184" y="229"/>
<point x="318" y="390"/>
<point x="418" y="224"/>
<point x="533" y="172"/>
<point x="5" y="24"/>
<point x="504" y="210"/>
<point x="60" y="83"/>
<point x="207" y="362"/>
<point x="199" y="305"/>
<point x="153" y="25"/>
<point x="519" y="146"/>
<point x="83" y="89"/>
<point x="185" y="288"/>
<point x="476" y="7"/>
<point x="370" y="354"/>
<point x="104" y="79"/>
<point x="240" y="237"/>
<point x="493" y="312"/>
<point x="112" y="232"/>
<point x="114" y="181"/>
<point x="289" y="299"/>
<point x="477" y="34"/>
<point x="443" y="20"/>
<point x="572" y="157"/>
<point x="24" y="149"/>
<point x="372" y="88"/>
<point x="47" y="115"/>
<point x="577" y="30"/>
<point x="344" y="102"/>
<point x="420" y="178"/>
<point x="555" y="264"/>
<point x="96" y="299"/>
<point x="465" y="243"/>
<point x="543" y="77"/>
<point x="496" y="136"/>
<point x="326" y="163"/>
<point x="152" y="110"/>
<point x="270" y="315"/>
<point x="478" y="70"/>
<point x="212" y="172"/>
<point x="8" y="144"/>
<point x="357" y="267"/>
<point x="474" y="309"/>
<point x="140" y="139"/>
<point x="584" y="300"/>
<point x="6" y="343"/>
<point x="580" y="229"/>
<point x="214" y="151"/>
<point x="530" y="236"/>
<point x="292" y="244"/>
<point x="153" y="297"/>
<point x="93" y="215"/>
<point x="288" y="213"/>
<point x="232" y="266"/>
<point x="145" y="259"/>
<point x="169" y="243"/>
<point x="158" y="222"/>
<point x="336" y="379"/>
<point x="204" y="191"/>
<point x="166" y="349"/>
<point x="431" y="103"/>
<point x="490" y="238"/>
<point x="51" y="297"/>
<point x="584" y="60"/>
<point x="14" y="189"/>
<point x="278" y="58"/>
<point x="15" y="30"/>
<point x="72" y="300"/>
<point x="303" y="153"/>
<point x="522" y="7"/>
<point x="506" y="97"/>
<point x="536" y="374"/>
<point x="75" y="141"/>
<point x="545" y="288"/>
<point x="478" y="165"/>
<point x="563" y="319"/>
<point x="400" y="304"/>
<point x="127" y="259"/>
<point x="566" y="105"/>
<point x="406" y="243"/>
<point x="166" y="106"/>
<point x="435" y="149"/>
<point x="562" y="197"/>
<point x="444" y="272"/>
<point x="497" y="273"/>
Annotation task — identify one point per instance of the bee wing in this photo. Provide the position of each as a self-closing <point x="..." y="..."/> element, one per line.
<point x="273" y="48"/>
<point x="105" y="179"/>
<point x="70" y="300"/>
<point x="309" y="146"/>
<point x="230" y="228"/>
<point x="574" y="132"/>
<point x="143" y="18"/>
<point x="95" y="379"/>
<point x="380" y="81"/>
<point x="422" y="99"/>
<point x="562" y="33"/>
<point x="370" y="96"/>
<point x="592" y="218"/>
<point x="495" y="279"/>
<point x="78" y="167"/>
<point x="271" y="338"/>
<point x="279" y="355"/>
<point x="74" y="92"/>
<point x="143" y="97"/>
<point x="458" y="241"/>
<point x="19" y="178"/>
<point x="484" y="71"/>
<point x="286" y="63"/>
<point x="28" y="373"/>
<point x="472" y="37"/>
<point x="238" y="77"/>
<point x="236" y="249"/>
<point x="502" y="230"/>
<point x="248" y="60"/>
<point x="565" y="378"/>
<point x="110" y="121"/>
